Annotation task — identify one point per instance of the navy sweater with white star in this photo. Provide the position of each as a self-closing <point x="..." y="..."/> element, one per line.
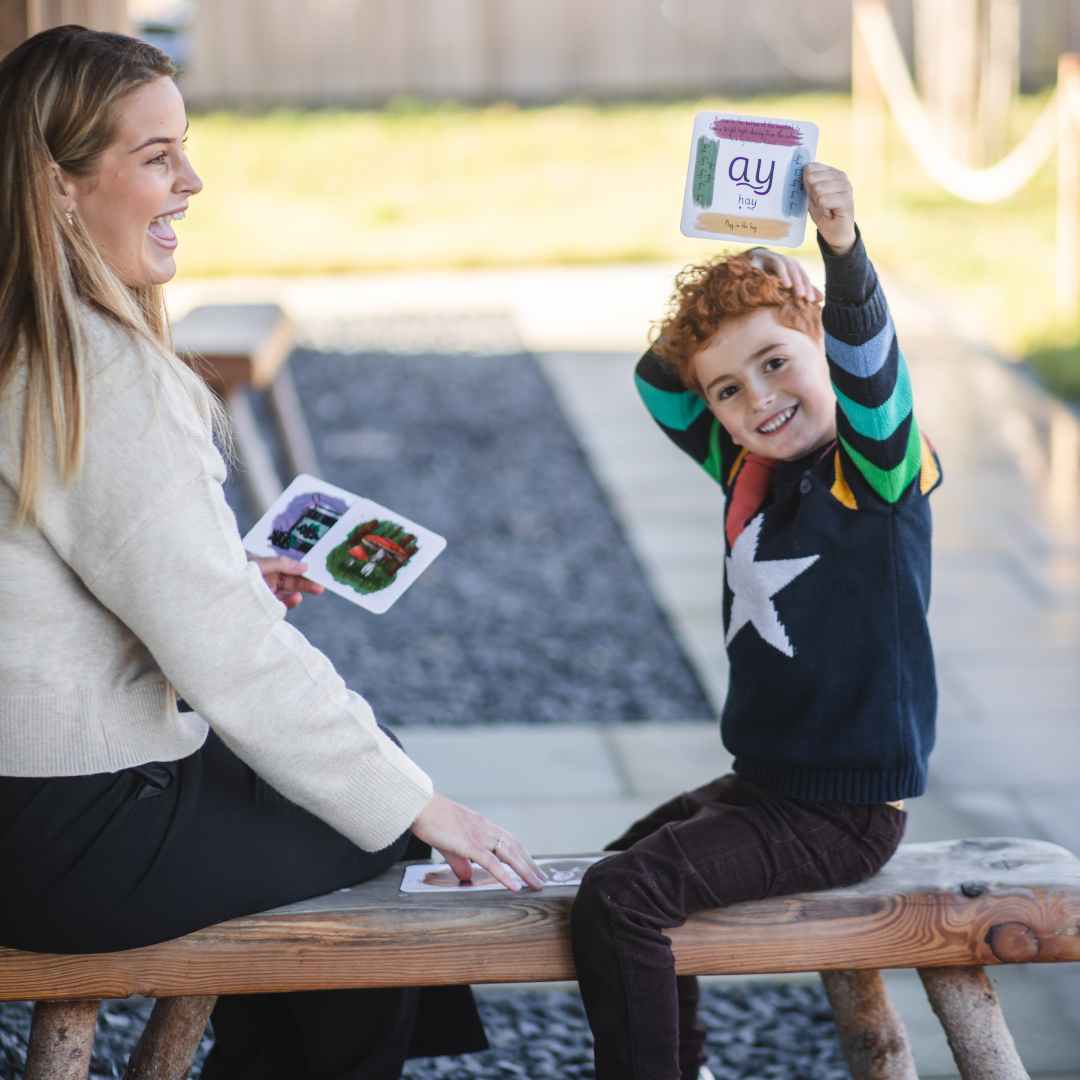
<point x="832" y="692"/>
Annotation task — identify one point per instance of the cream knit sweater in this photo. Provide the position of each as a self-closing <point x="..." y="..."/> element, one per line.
<point x="134" y="582"/>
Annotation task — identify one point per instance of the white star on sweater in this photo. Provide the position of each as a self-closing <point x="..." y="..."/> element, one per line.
<point x="754" y="584"/>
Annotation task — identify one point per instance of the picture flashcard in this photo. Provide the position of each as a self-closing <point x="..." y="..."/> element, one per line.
<point x="436" y="877"/>
<point x="299" y="518"/>
<point x="744" y="181"/>
<point x="355" y="547"/>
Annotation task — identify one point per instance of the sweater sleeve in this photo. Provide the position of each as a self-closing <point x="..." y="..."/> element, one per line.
<point x="147" y="530"/>
<point x="877" y="432"/>
<point x="683" y="417"/>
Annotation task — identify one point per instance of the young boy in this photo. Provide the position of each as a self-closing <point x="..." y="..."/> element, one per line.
<point x="804" y="418"/>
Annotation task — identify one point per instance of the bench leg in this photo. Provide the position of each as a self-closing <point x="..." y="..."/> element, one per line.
<point x="967" y="1006"/>
<point x="292" y="425"/>
<point x="61" y="1040"/>
<point x="170" y="1039"/>
<point x="872" y="1035"/>
<point x="258" y="472"/>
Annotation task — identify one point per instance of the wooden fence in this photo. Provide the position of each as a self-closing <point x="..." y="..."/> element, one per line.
<point x="319" y="52"/>
<point x="21" y="18"/>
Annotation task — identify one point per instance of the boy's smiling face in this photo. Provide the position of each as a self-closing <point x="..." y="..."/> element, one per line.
<point x="768" y="385"/>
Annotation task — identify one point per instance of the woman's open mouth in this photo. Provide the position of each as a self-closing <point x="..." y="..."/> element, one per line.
<point x="778" y="421"/>
<point x="161" y="230"/>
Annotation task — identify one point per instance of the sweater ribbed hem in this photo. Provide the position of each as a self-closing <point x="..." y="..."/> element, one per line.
<point x="835" y="785"/>
<point x="78" y="734"/>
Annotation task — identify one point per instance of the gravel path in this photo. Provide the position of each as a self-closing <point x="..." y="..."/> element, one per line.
<point x="760" y="1031"/>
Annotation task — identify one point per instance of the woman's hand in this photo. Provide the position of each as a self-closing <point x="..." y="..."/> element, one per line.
<point x="832" y="205"/>
<point x="791" y="273"/>
<point x="462" y="835"/>
<point x="284" y="578"/>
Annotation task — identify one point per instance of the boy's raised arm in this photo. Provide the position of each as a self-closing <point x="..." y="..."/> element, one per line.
<point x="682" y="415"/>
<point x="877" y="431"/>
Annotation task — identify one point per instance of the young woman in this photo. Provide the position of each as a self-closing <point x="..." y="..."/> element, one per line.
<point x="125" y="819"/>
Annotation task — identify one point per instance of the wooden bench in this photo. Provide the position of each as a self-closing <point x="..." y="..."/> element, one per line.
<point x="945" y="908"/>
<point x="241" y="347"/>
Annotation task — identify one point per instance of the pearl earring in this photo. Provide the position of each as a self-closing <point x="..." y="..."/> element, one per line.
<point x="70" y="215"/>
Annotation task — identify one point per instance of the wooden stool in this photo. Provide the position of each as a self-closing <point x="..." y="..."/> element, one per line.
<point x="945" y="908"/>
<point x="236" y="347"/>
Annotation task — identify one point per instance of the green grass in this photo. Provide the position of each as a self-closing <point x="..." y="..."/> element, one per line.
<point x="417" y="186"/>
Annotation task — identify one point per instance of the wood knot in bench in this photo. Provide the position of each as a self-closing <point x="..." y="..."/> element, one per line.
<point x="1013" y="942"/>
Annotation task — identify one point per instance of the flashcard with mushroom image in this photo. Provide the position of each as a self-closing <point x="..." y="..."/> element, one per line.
<point x="744" y="181"/>
<point x="371" y="555"/>
<point x="358" y="549"/>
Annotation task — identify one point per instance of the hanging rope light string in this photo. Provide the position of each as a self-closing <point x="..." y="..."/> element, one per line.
<point x="996" y="182"/>
<point x="1070" y="100"/>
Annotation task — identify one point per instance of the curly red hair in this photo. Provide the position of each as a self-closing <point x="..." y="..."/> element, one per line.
<point x="708" y="294"/>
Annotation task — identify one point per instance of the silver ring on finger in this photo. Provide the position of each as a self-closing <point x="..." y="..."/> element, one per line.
<point x="495" y="847"/>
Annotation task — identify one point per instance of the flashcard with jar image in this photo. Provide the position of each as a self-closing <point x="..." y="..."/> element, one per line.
<point x="744" y="181"/>
<point x="362" y="551"/>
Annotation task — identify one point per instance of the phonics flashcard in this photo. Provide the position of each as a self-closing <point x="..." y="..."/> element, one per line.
<point x="355" y="547"/>
<point x="744" y="181"/>
<point x="563" y="871"/>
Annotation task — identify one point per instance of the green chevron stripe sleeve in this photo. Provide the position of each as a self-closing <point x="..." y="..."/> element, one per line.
<point x="890" y="484"/>
<point x="714" y="463"/>
<point x="675" y="410"/>
<point x="880" y="422"/>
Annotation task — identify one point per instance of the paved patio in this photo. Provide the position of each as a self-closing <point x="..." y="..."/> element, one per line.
<point x="1005" y="613"/>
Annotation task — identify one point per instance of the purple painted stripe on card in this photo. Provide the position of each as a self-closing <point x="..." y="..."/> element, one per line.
<point x="758" y="131"/>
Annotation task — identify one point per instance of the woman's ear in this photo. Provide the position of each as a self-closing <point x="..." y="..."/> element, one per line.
<point x="63" y="189"/>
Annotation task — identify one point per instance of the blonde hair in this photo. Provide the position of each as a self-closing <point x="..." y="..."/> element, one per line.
<point x="58" y="94"/>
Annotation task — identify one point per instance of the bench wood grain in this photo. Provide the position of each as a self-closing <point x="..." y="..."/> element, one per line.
<point x="947" y="904"/>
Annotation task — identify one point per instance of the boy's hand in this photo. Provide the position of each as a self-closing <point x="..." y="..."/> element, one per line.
<point x="832" y="205"/>
<point x="790" y="272"/>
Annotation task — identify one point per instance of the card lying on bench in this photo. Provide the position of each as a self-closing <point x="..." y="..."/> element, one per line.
<point x="744" y="181"/>
<point x="356" y="548"/>
<point x="431" y="877"/>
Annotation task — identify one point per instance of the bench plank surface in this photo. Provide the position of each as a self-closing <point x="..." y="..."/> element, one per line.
<point x="955" y="903"/>
<point x="241" y="344"/>
<point x="242" y="347"/>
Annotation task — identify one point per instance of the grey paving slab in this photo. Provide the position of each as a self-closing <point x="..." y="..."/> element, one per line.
<point x="698" y="550"/>
<point x="700" y="629"/>
<point x="689" y="586"/>
<point x="1055" y="812"/>
<point x="1027" y="751"/>
<point x="1019" y="654"/>
<point x="537" y="764"/>
<point x="986" y="626"/>
<point x="565" y="826"/>
<point x="660" y="760"/>
<point x="1001" y="810"/>
<point x="1023" y="688"/>
<point x="933" y="816"/>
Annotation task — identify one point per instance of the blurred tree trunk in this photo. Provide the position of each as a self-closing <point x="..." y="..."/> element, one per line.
<point x="967" y="62"/>
<point x="21" y="18"/>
